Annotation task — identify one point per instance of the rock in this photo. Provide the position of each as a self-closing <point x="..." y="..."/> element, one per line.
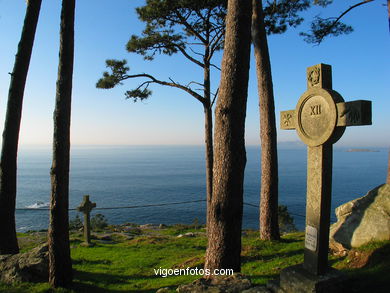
<point x="104" y="237"/>
<point x="148" y="226"/>
<point x="297" y="279"/>
<point x="189" y="234"/>
<point x="127" y="236"/>
<point x="132" y="230"/>
<point x="362" y="220"/>
<point x="163" y="290"/>
<point x="31" y="266"/>
<point x="224" y="284"/>
<point x="337" y="248"/>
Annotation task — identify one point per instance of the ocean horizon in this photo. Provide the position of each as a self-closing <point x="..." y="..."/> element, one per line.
<point x="134" y="176"/>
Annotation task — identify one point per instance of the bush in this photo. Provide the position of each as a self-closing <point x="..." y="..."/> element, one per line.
<point x="286" y="222"/>
<point x="98" y="222"/>
<point x="75" y="224"/>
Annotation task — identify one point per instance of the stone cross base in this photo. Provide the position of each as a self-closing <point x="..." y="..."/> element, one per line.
<point x="296" y="279"/>
<point x="87" y="244"/>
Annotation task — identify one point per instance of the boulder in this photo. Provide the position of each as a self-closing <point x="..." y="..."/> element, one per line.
<point x="148" y="226"/>
<point x="31" y="266"/>
<point x="362" y="220"/>
<point x="189" y="234"/>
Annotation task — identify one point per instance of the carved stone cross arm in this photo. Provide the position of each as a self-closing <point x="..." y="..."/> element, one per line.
<point x="353" y="113"/>
<point x="86" y="206"/>
<point x="321" y="113"/>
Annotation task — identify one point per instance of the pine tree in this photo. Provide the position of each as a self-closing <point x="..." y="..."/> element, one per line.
<point x="60" y="264"/>
<point x="194" y="29"/>
<point x="9" y="151"/>
<point x="224" y="236"/>
<point x="269" y="227"/>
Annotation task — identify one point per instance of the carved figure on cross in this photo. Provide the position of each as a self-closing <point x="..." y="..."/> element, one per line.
<point x="320" y="119"/>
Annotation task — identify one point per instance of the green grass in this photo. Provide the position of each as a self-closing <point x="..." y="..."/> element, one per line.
<point x="123" y="265"/>
<point x="129" y="265"/>
<point x="263" y="260"/>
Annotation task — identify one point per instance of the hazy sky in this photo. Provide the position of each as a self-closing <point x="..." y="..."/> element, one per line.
<point x="360" y="64"/>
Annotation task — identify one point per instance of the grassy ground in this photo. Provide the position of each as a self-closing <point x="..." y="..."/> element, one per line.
<point x="121" y="264"/>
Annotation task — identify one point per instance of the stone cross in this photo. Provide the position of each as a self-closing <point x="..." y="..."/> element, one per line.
<point x="320" y="118"/>
<point x="86" y="208"/>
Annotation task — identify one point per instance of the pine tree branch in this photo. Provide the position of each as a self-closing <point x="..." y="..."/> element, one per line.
<point x="161" y="82"/>
<point x="329" y="29"/>
<point x="189" y="27"/>
<point x="201" y="16"/>
<point x="189" y="57"/>
<point x="220" y="32"/>
<point x="197" y="53"/>
<point x="215" y="97"/>
<point x="215" y="66"/>
<point x="195" y="82"/>
<point x="215" y="44"/>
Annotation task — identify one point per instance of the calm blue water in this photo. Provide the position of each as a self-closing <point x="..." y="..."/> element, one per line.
<point x="139" y="175"/>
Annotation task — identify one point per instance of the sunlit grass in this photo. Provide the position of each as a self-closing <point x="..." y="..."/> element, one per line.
<point x="127" y="265"/>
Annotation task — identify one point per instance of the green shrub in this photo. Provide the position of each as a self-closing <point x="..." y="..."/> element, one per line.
<point x="75" y="224"/>
<point x="98" y="222"/>
<point x="286" y="222"/>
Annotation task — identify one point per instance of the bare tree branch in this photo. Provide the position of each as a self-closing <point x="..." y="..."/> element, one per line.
<point x="215" y="97"/>
<point x="215" y="45"/>
<point x="197" y="53"/>
<point x="220" y="32"/>
<point x="215" y="66"/>
<point x="194" y="82"/>
<point x="147" y="83"/>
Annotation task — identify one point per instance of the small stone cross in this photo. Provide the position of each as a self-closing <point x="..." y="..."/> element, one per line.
<point x="320" y="118"/>
<point x="86" y="208"/>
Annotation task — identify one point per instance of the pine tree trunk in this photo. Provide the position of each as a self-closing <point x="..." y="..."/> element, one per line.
<point x="60" y="266"/>
<point x="8" y="161"/>
<point x="224" y="236"/>
<point x="269" y="228"/>
<point x="209" y="159"/>
<point x="208" y="116"/>
<point x="388" y="170"/>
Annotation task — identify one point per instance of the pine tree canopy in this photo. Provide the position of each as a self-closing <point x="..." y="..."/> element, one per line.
<point x="196" y="30"/>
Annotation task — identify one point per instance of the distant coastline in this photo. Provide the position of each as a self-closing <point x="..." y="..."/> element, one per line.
<point x="362" y="150"/>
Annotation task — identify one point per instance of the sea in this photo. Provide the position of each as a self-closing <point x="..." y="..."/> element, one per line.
<point x="166" y="184"/>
